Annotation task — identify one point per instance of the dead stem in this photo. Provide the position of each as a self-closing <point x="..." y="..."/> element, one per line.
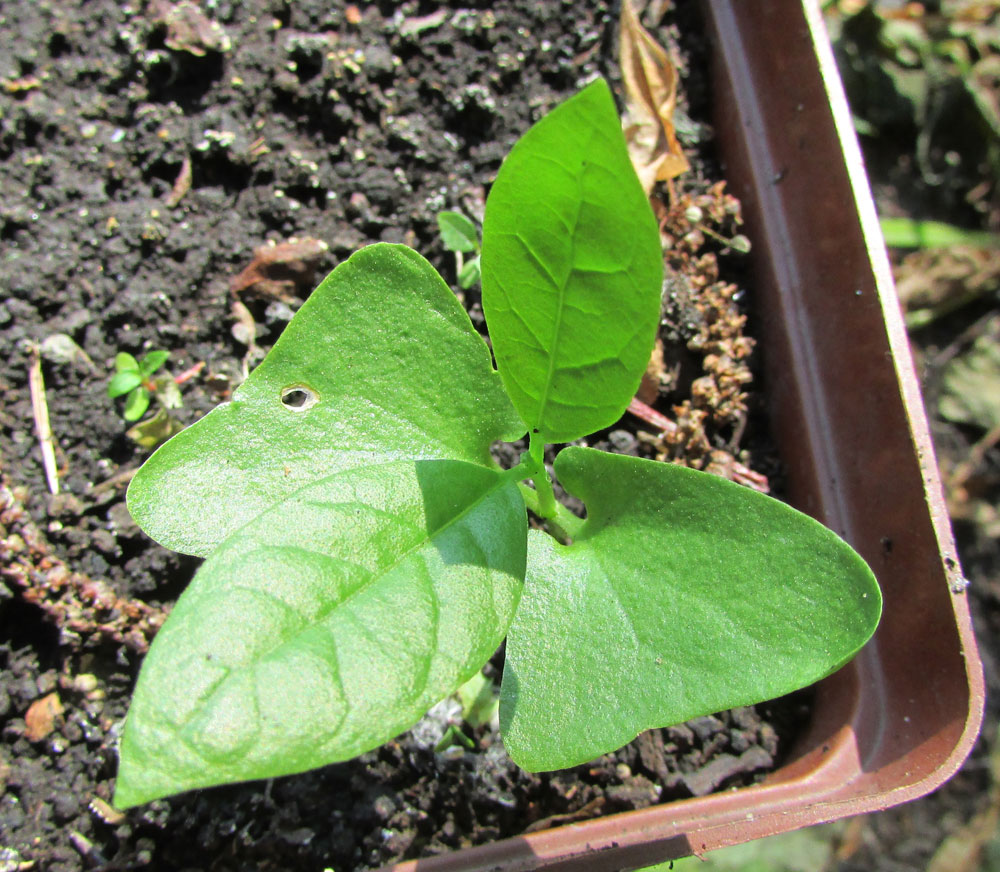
<point x="40" y="411"/>
<point x="77" y="604"/>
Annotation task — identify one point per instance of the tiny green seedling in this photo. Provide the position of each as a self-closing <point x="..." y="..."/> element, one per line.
<point x="137" y="382"/>
<point x="366" y="556"/>
<point x="460" y="236"/>
<point x="134" y="380"/>
<point x="480" y="705"/>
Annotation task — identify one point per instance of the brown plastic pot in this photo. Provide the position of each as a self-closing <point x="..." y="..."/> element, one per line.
<point x="845" y="407"/>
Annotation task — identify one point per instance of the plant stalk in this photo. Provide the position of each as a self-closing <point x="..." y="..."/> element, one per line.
<point x="540" y="477"/>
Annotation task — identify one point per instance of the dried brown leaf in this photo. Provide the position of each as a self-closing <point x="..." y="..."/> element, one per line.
<point x="941" y="278"/>
<point x="40" y="719"/>
<point x="106" y="812"/>
<point x="245" y="329"/>
<point x="188" y="28"/>
<point x="282" y="271"/>
<point x="650" y="81"/>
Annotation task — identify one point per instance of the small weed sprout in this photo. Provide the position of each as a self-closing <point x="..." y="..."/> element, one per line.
<point x="136" y="380"/>
<point x="460" y="235"/>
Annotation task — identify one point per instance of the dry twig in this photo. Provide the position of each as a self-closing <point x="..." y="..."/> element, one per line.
<point x="40" y="411"/>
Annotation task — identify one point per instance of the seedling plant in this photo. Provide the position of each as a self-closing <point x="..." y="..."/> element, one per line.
<point x="137" y="381"/>
<point x="134" y="379"/>
<point x="460" y="236"/>
<point x="365" y="556"/>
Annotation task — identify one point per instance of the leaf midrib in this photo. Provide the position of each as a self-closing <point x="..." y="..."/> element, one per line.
<point x="557" y="327"/>
<point x="322" y="615"/>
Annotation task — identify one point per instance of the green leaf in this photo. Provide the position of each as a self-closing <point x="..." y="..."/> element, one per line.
<point x="479" y="700"/>
<point x="910" y="233"/>
<point x="327" y="626"/>
<point x="125" y="362"/>
<point x="572" y="270"/>
<point x="358" y="375"/>
<point x="682" y="594"/>
<point x="136" y="404"/>
<point x="458" y="233"/>
<point x="470" y="274"/>
<point x="453" y="735"/>
<point x="123" y="381"/>
<point x="152" y="362"/>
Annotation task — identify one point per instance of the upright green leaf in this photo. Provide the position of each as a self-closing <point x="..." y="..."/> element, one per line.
<point x="123" y="381"/>
<point x="572" y="270"/>
<point x="457" y="232"/>
<point x="683" y="594"/>
<point x="136" y="404"/>
<point x="381" y="362"/>
<point x="125" y="362"/>
<point x="327" y="626"/>
<point x="152" y="362"/>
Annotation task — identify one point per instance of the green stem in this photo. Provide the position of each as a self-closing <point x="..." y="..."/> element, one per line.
<point x="540" y="499"/>
<point x="565" y="526"/>
<point x="540" y="476"/>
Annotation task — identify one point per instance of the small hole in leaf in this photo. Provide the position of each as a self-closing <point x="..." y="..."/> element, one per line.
<point x="298" y="398"/>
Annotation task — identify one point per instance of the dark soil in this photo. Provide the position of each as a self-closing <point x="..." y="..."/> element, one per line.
<point x="143" y="164"/>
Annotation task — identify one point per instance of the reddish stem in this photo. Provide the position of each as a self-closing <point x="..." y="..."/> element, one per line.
<point x="648" y="414"/>
<point x="189" y="374"/>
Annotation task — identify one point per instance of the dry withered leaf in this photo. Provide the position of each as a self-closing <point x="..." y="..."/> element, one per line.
<point x="935" y="281"/>
<point x="188" y="28"/>
<point x="650" y="81"/>
<point x="245" y="329"/>
<point x="282" y="271"/>
<point x="41" y="717"/>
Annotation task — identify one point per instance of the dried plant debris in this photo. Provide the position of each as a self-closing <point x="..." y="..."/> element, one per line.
<point x="650" y="80"/>
<point x="283" y="271"/>
<point x="78" y="605"/>
<point x="188" y="28"/>
<point x="971" y="382"/>
<point x="704" y="371"/>
<point x="934" y="282"/>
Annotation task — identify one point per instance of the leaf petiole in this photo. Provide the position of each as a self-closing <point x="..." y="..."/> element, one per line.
<point x="564" y="526"/>
<point x="540" y="499"/>
<point x="540" y="477"/>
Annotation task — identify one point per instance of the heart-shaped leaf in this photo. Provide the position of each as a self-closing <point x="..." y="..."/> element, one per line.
<point x="327" y="626"/>
<point x="681" y="595"/>
<point x="572" y="270"/>
<point x="380" y="363"/>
